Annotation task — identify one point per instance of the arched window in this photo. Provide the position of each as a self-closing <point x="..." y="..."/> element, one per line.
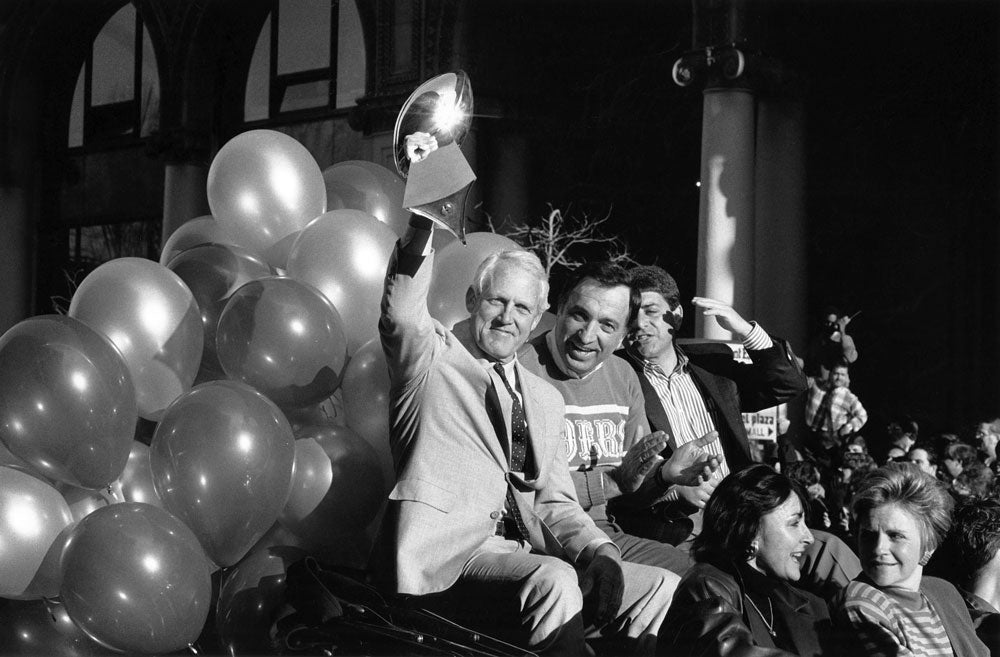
<point x="293" y="69"/>
<point x="117" y="96"/>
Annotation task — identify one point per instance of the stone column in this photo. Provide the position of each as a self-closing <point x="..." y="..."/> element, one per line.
<point x="726" y="229"/>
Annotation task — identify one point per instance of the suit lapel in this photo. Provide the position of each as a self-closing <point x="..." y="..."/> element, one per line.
<point x="727" y="410"/>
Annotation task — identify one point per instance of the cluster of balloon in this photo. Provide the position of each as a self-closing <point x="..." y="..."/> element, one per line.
<point x="283" y="338"/>
<point x="150" y="314"/>
<point x="454" y="266"/>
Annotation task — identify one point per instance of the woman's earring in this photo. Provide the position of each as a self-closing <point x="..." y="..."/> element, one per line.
<point x="925" y="557"/>
<point x="751" y="552"/>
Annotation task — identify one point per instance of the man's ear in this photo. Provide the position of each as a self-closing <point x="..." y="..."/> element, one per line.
<point x="470" y="300"/>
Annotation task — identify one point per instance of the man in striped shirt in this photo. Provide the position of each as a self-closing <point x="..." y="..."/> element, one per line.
<point x="702" y="387"/>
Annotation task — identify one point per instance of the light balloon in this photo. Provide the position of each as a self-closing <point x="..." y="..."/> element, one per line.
<point x="262" y="186"/>
<point x="454" y="266"/>
<point x="192" y="233"/>
<point x="370" y="188"/>
<point x="344" y="254"/>
<point x="32" y="514"/>
<point x="366" y="401"/>
<point x="222" y="460"/>
<point x="285" y="339"/>
<point x="67" y="403"/>
<point x="213" y="272"/>
<point x="136" y="580"/>
<point x="149" y="313"/>
<point x="136" y="480"/>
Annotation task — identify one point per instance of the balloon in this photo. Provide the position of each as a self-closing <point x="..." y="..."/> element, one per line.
<point x="82" y="502"/>
<point x="454" y="266"/>
<point x="370" y="188"/>
<point x="366" y="401"/>
<point x="344" y="254"/>
<point x="213" y="272"/>
<point x="148" y="312"/>
<point x="283" y="338"/>
<point x="67" y="403"/>
<point x="32" y="514"/>
<point x="262" y="186"/>
<point x="222" y="462"/>
<point x="337" y="490"/>
<point x="135" y="579"/>
<point x="252" y="593"/>
<point x="194" y="232"/>
<point x="48" y="577"/>
<point x="137" y="477"/>
<point x="42" y="627"/>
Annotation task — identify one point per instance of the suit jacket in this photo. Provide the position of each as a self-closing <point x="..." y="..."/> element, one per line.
<point x="709" y="616"/>
<point x="729" y="388"/>
<point x="451" y="463"/>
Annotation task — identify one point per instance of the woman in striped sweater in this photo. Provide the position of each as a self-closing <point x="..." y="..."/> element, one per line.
<point x="891" y="609"/>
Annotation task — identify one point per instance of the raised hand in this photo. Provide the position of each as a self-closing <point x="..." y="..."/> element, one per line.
<point x="724" y="314"/>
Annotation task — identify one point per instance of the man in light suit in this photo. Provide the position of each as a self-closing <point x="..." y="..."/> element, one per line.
<point x="461" y="519"/>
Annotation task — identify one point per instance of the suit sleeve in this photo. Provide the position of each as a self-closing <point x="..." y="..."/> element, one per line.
<point x="774" y="377"/>
<point x="409" y="335"/>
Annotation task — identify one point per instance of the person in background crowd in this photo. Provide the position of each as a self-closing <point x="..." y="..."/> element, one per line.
<point x="956" y="458"/>
<point x="833" y="413"/>
<point x="841" y="488"/>
<point x="895" y="455"/>
<point x="739" y="598"/>
<point x="923" y="458"/>
<point x="892" y="609"/>
<point x="903" y="434"/>
<point x="975" y="481"/>
<point x="612" y="457"/>
<point x="807" y="476"/>
<point x="971" y="557"/>
<point x="483" y="513"/>
<point x="831" y="345"/>
<point x="987" y="437"/>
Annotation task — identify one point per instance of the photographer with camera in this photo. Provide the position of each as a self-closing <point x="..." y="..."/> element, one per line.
<point x="832" y="345"/>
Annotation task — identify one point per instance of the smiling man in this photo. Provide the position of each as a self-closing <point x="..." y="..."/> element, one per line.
<point x="612" y="457"/>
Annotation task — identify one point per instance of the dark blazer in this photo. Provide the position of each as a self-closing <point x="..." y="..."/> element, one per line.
<point x="729" y="388"/>
<point x="710" y="616"/>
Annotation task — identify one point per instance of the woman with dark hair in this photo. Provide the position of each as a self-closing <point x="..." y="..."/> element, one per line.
<point x="891" y="609"/>
<point x="738" y="599"/>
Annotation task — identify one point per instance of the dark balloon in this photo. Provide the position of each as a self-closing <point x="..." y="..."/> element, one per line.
<point x="222" y="460"/>
<point x="285" y="339"/>
<point x="135" y="579"/>
<point x="213" y="272"/>
<point x="67" y="401"/>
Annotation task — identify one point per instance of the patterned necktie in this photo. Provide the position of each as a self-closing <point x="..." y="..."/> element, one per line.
<point x="823" y="412"/>
<point x="518" y="447"/>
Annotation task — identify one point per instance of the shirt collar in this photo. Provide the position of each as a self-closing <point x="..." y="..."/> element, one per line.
<point x="550" y="342"/>
<point x="682" y="359"/>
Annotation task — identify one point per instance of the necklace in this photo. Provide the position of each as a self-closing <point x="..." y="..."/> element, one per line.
<point x="770" y="609"/>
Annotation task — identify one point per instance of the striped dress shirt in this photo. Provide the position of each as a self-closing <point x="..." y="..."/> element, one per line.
<point x="685" y="408"/>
